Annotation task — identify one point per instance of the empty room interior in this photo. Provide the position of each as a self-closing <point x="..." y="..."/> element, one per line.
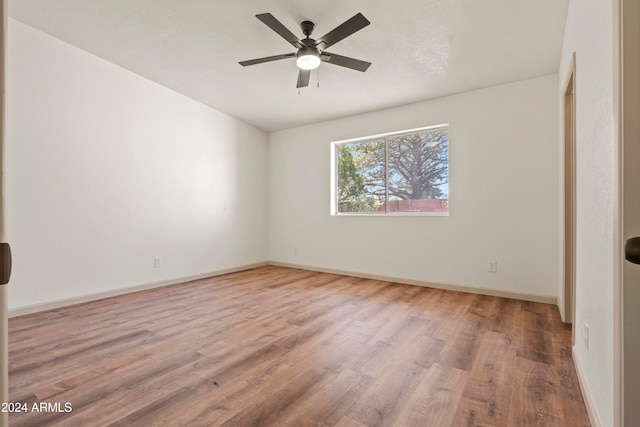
<point x="418" y="231"/>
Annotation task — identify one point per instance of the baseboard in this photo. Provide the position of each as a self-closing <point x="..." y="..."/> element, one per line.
<point x="546" y="299"/>
<point x="586" y="393"/>
<point x="50" y="305"/>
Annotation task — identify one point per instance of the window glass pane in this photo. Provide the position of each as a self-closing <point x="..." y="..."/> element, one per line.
<point x="361" y="177"/>
<point x="418" y="172"/>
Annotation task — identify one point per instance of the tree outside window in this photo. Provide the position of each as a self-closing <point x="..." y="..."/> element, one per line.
<point x="405" y="172"/>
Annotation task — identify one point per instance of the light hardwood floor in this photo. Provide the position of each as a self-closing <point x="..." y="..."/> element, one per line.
<point x="285" y="347"/>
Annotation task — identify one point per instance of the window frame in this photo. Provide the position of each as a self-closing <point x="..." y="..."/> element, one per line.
<point x="334" y="173"/>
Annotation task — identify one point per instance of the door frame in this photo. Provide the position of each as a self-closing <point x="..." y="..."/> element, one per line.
<point x="569" y="195"/>
<point x="618" y="259"/>
<point x="4" y="294"/>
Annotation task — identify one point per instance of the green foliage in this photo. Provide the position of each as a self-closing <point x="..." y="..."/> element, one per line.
<point x="352" y="194"/>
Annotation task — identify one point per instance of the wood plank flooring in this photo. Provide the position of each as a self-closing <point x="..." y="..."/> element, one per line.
<point x="276" y="346"/>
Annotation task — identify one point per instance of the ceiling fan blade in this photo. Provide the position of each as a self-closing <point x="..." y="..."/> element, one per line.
<point x="267" y="59"/>
<point x="277" y="26"/>
<point x="343" y="30"/>
<point x="345" y="61"/>
<point x="303" y="78"/>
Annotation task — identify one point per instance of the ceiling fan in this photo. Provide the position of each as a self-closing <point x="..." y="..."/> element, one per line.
<point x="311" y="52"/>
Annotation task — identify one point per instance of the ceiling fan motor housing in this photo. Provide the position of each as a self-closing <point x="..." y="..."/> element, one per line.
<point x="307" y="50"/>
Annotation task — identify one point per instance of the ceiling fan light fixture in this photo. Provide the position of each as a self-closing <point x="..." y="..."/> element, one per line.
<point x="308" y="58"/>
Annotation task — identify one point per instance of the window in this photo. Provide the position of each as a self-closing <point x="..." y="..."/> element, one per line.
<point x="404" y="172"/>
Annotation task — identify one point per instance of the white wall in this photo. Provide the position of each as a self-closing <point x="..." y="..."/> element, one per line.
<point x="107" y="170"/>
<point x="504" y="172"/>
<point x="589" y="34"/>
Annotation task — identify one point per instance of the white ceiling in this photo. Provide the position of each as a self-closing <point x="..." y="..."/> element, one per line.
<point x="420" y="49"/>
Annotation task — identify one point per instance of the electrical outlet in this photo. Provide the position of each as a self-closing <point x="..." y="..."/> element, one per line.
<point x="296" y="250"/>
<point x="156" y="262"/>
<point x="492" y="266"/>
<point x="586" y="336"/>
